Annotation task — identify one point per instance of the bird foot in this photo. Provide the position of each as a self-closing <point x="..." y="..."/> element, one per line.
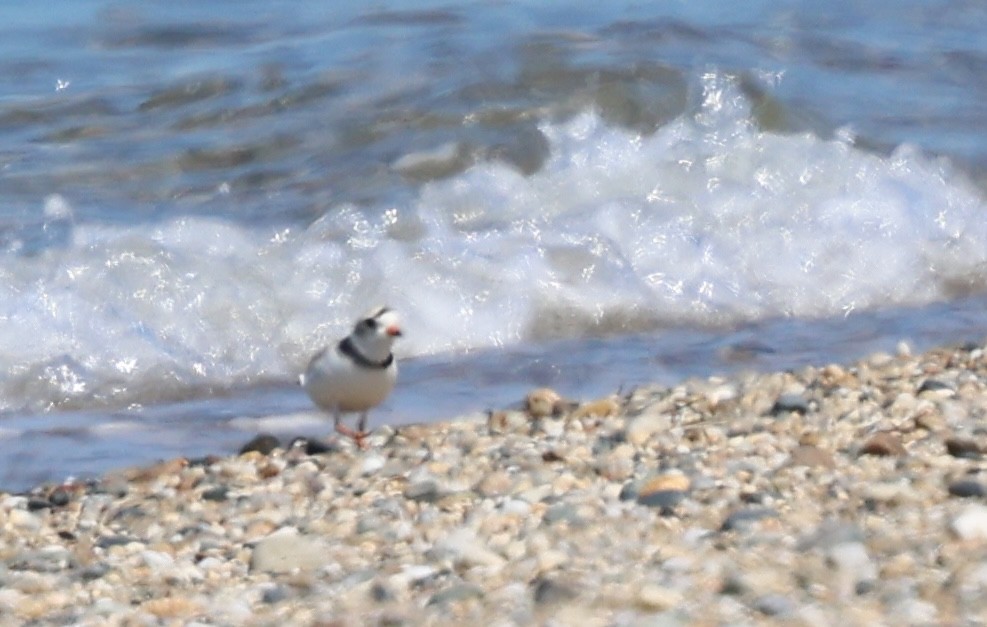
<point x="360" y="437"/>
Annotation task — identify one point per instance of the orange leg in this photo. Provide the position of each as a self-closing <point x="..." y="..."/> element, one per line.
<point x="359" y="434"/>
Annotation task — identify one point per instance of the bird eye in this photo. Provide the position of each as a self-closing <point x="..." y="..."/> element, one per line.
<point x="370" y="323"/>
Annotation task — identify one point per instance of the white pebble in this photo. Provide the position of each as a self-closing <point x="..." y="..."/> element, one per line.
<point x="156" y="560"/>
<point x="24" y="520"/>
<point x="971" y="523"/>
<point x="372" y="463"/>
<point x="469" y="550"/>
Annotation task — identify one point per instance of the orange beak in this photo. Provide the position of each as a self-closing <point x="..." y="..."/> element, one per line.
<point x="394" y="330"/>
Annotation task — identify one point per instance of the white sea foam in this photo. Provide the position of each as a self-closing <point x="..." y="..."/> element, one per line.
<point x="708" y="221"/>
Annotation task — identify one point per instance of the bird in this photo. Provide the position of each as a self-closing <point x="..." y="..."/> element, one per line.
<point x="357" y="373"/>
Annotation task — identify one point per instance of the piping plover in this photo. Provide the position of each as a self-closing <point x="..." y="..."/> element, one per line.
<point x="357" y="373"/>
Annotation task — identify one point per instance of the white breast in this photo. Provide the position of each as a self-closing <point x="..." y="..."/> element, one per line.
<point x="332" y="382"/>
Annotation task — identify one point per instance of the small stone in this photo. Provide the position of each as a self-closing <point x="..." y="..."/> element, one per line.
<point x="790" y="403"/>
<point x="629" y="491"/>
<point x="810" y="437"/>
<point x="286" y="550"/>
<point x="643" y="427"/>
<point x="971" y="523"/>
<point x="496" y="483"/>
<point x="264" y="444"/>
<point x="548" y="560"/>
<point x="372" y="463"/>
<point x="663" y="491"/>
<point x="603" y="408"/>
<point x="963" y="448"/>
<point x="930" y="420"/>
<point x="275" y="594"/>
<point x="60" y="496"/>
<point x="154" y="472"/>
<point x="655" y="598"/>
<point x="883" y="444"/>
<point x="563" y="512"/>
<point x="49" y="560"/>
<point x="457" y="592"/>
<point x="94" y="571"/>
<point x="665" y="500"/>
<point x="468" y="550"/>
<point x="774" y="605"/>
<point x="937" y="388"/>
<point x="967" y="488"/>
<point x="105" y="542"/>
<point x="551" y="457"/>
<point x="917" y="612"/>
<point x="35" y="504"/>
<point x="542" y="403"/>
<point x="157" y="561"/>
<point x="172" y="607"/>
<point x="516" y="507"/>
<point x="830" y="533"/>
<point x="508" y="422"/>
<point x="380" y="593"/>
<point x="268" y="471"/>
<point x="547" y="591"/>
<point x="23" y="520"/>
<point x="889" y="493"/>
<point x="744" y="519"/>
<point x="315" y="446"/>
<point x="204" y="461"/>
<point x="616" y="466"/>
<point x="810" y="456"/>
<point x="217" y="493"/>
<point x="667" y="481"/>
<point x="552" y="428"/>
<point x="423" y="490"/>
<point x="854" y="565"/>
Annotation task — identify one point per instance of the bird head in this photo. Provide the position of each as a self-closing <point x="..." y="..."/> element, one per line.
<point x="377" y="331"/>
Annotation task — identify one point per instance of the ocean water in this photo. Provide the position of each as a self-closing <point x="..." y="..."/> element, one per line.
<point x="194" y="197"/>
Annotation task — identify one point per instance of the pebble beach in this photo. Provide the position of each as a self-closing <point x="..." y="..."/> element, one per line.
<point x="848" y="494"/>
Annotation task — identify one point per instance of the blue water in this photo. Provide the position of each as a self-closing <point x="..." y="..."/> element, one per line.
<point x="195" y="196"/>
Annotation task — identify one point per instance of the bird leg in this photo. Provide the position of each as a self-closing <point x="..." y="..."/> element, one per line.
<point x="358" y="435"/>
<point x="361" y="424"/>
<point x="361" y="431"/>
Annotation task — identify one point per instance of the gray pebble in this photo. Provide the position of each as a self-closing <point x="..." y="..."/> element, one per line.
<point x="425" y="490"/>
<point x="264" y="444"/>
<point x="43" y="561"/>
<point x="457" y="592"/>
<point x="218" y="493"/>
<point x="774" y="605"/>
<point x="105" y="542"/>
<point x="563" y="512"/>
<point x="94" y="571"/>
<point x="662" y="499"/>
<point x="829" y="533"/>
<point x="963" y="448"/>
<point x="786" y="403"/>
<point x="286" y="550"/>
<point x="936" y="386"/>
<point x="35" y="504"/>
<point x="546" y="591"/>
<point x="744" y="519"/>
<point x="967" y="488"/>
<point x="275" y="594"/>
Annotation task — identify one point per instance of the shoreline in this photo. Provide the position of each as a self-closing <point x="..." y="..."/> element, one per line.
<point x="815" y="496"/>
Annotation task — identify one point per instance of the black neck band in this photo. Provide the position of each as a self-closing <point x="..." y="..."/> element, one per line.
<point x="346" y="347"/>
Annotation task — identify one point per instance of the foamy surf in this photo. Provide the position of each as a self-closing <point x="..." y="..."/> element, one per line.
<point x="709" y="221"/>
